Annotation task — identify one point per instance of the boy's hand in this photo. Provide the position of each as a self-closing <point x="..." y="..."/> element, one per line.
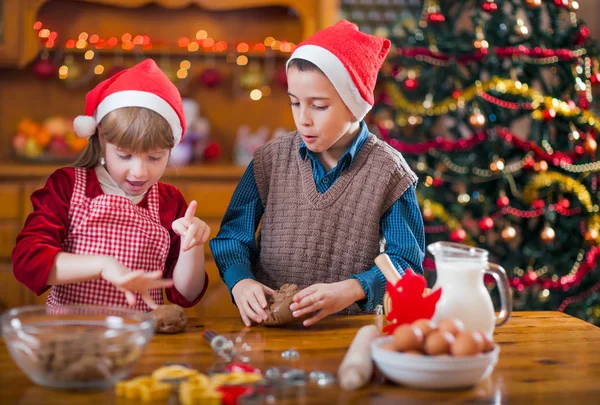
<point x="193" y="231"/>
<point x="325" y="299"/>
<point x="249" y="296"/>
<point x="130" y="282"/>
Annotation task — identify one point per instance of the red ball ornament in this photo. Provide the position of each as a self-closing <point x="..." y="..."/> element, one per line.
<point x="564" y="203"/>
<point x="528" y="164"/>
<point x="582" y="35"/>
<point x="486" y="224"/>
<point x="530" y="278"/>
<point x="538" y="204"/>
<point x="595" y="78"/>
<point x="458" y="235"/>
<point x="411" y="84"/>
<point x="490" y="6"/>
<point x="210" y="78"/>
<point x="436" y="18"/>
<point x="502" y="201"/>
<point x="549" y="114"/>
<point x="212" y="151"/>
<point x="44" y="69"/>
<point x="437" y="182"/>
<point x="561" y="3"/>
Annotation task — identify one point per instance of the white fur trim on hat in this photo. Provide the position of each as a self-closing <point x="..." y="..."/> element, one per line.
<point x="84" y="126"/>
<point x="136" y="98"/>
<point x="337" y="74"/>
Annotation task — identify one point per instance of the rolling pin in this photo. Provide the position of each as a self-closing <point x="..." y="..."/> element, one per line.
<point x="356" y="368"/>
<point x="388" y="269"/>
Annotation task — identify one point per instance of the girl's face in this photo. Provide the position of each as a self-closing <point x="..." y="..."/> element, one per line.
<point x="322" y="118"/>
<point x="135" y="173"/>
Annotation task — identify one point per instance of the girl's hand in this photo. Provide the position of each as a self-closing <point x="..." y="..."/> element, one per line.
<point x="249" y="296"/>
<point x="130" y="282"/>
<point x="325" y="299"/>
<point x="193" y="231"/>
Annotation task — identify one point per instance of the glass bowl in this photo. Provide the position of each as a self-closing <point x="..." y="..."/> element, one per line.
<point x="76" y="347"/>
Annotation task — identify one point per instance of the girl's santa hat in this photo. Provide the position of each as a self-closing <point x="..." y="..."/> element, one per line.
<point x="143" y="85"/>
<point x="350" y="59"/>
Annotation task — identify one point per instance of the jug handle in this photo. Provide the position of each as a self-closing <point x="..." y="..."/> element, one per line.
<point x="505" y="292"/>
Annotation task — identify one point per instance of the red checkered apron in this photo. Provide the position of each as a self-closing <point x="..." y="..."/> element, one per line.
<point x="112" y="225"/>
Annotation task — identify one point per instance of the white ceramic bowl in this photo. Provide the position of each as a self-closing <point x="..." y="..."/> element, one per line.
<point x="432" y="372"/>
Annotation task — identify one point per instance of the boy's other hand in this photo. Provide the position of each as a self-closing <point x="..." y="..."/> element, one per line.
<point x="325" y="299"/>
<point x="249" y="296"/>
<point x="192" y="230"/>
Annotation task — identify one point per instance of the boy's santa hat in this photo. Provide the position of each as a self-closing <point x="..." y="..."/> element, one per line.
<point x="350" y="59"/>
<point x="143" y="85"/>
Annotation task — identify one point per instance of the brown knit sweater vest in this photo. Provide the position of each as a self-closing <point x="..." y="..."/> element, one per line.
<point x="309" y="238"/>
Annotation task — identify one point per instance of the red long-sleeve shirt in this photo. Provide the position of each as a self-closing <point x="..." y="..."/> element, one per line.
<point x="46" y="227"/>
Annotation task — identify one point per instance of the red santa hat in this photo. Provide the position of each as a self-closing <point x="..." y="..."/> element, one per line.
<point x="350" y="59"/>
<point x="143" y="85"/>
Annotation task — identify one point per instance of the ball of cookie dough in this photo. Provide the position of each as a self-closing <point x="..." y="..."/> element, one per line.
<point x="169" y="319"/>
<point x="278" y="306"/>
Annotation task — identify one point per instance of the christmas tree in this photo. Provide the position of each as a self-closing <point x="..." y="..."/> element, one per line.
<point x="490" y="102"/>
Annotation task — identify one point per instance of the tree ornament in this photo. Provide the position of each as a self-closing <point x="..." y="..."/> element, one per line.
<point x="590" y="145"/>
<point x="530" y="278"/>
<point x="210" y="78"/>
<point x="591" y="236"/>
<point x="458" y="235"/>
<point x="486" y="224"/>
<point x="411" y="84"/>
<point x="502" y="201"/>
<point x="541" y="166"/>
<point x="534" y="3"/>
<point x="436" y="18"/>
<point x="428" y="214"/>
<point x="547" y="235"/>
<point x="437" y="181"/>
<point x="549" y="114"/>
<point x="538" y="204"/>
<point x="43" y="68"/>
<point x="490" y="6"/>
<point x="508" y="234"/>
<point x="212" y="151"/>
<point x="561" y="3"/>
<point x="477" y="120"/>
<point x="564" y="203"/>
<point x="582" y="35"/>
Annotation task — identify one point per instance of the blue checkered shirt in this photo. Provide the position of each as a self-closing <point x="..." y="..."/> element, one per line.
<point x="235" y="250"/>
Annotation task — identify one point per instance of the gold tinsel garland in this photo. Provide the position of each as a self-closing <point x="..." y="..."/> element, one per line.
<point x="567" y="184"/>
<point x="539" y="102"/>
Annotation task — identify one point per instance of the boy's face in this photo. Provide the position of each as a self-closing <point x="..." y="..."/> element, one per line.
<point x="321" y="117"/>
<point x="135" y="173"/>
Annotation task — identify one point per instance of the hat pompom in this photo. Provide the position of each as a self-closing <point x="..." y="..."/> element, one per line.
<point x="84" y="126"/>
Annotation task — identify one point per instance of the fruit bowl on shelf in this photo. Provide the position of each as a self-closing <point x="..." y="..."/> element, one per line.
<point x="52" y="141"/>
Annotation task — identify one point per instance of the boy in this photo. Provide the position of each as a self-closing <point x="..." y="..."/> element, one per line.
<point x="326" y="193"/>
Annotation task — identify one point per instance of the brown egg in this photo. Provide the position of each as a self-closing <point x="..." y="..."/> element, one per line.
<point x="467" y="344"/>
<point x="452" y="325"/>
<point x="408" y="338"/>
<point x="416" y="352"/>
<point x="425" y="325"/>
<point x="438" y="342"/>
<point x="488" y="343"/>
<point x="391" y="346"/>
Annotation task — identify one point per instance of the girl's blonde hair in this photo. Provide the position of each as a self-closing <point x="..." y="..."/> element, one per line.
<point x="135" y="129"/>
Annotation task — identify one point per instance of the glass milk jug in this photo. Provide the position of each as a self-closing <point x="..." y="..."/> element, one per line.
<point x="460" y="270"/>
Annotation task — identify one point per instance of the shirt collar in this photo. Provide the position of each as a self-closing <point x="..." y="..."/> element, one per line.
<point x="350" y="153"/>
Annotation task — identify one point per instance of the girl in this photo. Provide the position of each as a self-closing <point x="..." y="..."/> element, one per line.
<point x="106" y="232"/>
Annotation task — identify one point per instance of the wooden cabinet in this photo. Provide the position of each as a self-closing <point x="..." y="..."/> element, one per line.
<point x="19" y="42"/>
<point x="11" y="39"/>
<point x="211" y="186"/>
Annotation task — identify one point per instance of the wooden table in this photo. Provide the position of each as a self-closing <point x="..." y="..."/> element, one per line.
<point x="546" y="357"/>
